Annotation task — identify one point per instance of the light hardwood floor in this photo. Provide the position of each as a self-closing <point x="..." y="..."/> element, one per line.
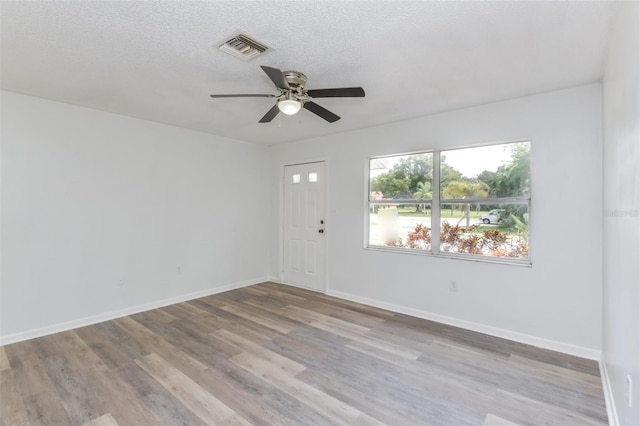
<point x="276" y="355"/>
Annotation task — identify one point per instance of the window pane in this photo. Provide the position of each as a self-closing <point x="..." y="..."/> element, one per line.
<point x="405" y="226"/>
<point x="295" y="178"/>
<point x="485" y="229"/>
<point x="484" y="201"/>
<point x="401" y="177"/>
<point x="495" y="171"/>
<point x="313" y="177"/>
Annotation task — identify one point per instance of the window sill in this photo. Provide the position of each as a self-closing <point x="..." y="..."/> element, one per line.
<point x="456" y="256"/>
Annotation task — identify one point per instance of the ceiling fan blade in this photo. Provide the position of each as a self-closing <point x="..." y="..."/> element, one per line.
<point x="321" y="112"/>
<point x="248" y="95"/>
<point x="270" y="115"/>
<point x="276" y="76"/>
<point x="345" y="92"/>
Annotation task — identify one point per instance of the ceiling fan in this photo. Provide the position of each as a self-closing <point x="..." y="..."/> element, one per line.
<point x="293" y="95"/>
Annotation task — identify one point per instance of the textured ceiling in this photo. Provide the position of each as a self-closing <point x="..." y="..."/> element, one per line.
<point x="159" y="60"/>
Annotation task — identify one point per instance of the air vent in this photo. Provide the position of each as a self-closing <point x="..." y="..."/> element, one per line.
<point x="243" y="46"/>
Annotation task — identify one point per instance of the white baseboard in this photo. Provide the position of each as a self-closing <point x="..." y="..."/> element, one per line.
<point x="540" y="342"/>
<point x="94" y="319"/>
<point x="612" y="413"/>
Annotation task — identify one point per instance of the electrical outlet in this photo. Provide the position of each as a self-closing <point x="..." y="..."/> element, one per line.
<point x="629" y="391"/>
<point x="453" y="286"/>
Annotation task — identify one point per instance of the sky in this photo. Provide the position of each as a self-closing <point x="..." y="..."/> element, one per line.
<point x="473" y="161"/>
<point x="468" y="161"/>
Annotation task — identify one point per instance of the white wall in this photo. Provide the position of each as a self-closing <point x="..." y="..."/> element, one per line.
<point x="621" y="311"/>
<point x="99" y="211"/>
<point x="555" y="303"/>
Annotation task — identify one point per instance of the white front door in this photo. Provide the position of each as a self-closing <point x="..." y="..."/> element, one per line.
<point x="304" y="225"/>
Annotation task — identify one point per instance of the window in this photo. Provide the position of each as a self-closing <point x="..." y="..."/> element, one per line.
<point x="478" y="197"/>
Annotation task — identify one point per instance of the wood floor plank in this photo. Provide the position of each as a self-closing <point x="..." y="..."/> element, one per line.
<point x="105" y="420"/>
<point x="464" y="361"/>
<point x="419" y="342"/>
<point x="153" y="343"/>
<point x="552" y="393"/>
<point x="45" y="408"/>
<point x="77" y="352"/>
<point x="255" y="291"/>
<point x="232" y="386"/>
<point x="273" y="289"/>
<point x="204" y="348"/>
<point x="43" y="405"/>
<point x="335" y="409"/>
<point x="161" y="316"/>
<point x="329" y="309"/>
<point x="195" y="332"/>
<point x="366" y="403"/>
<point x="292" y="344"/>
<point x="379" y="345"/>
<point x="242" y="392"/>
<point x="492" y="420"/>
<point x="260" y="319"/>
<point x="418" y="392"/>
<point x="321" y="298"/>
<point x="271" y="354"/>
<point x="570" y="378"/>
<point x="526" y="411"/>
<point x="328" y="323"/>
<point x="195" y="314"/>
<point x="231" y="319"/>
<point x="26" y="364"/>
<point x="275" y="360"/>
<point x="235" y="420"/>
<point x="79" y="398"/>
<point x="117" y="395"/>
<point x="157" y="399"/>
<point x="583" y="365"/>
<point x="4" y="361"/>
<point x="12" y="410"/>
<point x="269" y="307"/>
<point x="379" y="353"/>
<point x="206" y="406"/>
<point x="109" y="342"/>
<point x="350" y="331"/>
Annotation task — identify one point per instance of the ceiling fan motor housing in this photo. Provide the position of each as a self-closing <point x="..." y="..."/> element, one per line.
<point x="295" y="78"/>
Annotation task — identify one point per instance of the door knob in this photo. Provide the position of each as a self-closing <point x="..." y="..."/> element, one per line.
<point x="321" y="231"/>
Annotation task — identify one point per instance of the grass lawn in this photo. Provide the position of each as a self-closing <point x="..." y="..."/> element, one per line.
<point x="410" y="211"/>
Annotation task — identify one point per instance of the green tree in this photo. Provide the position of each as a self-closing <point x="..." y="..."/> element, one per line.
<point x="487" y="177"/>
<point x="417" y="168"/>
<point x="513" y="179"/>
<point x="390" y="185"/>
<point x="465" y="189"/>
<point x="423" y="193"/>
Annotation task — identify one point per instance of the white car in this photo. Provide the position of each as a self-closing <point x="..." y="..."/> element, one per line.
<point x="492" y="217"/>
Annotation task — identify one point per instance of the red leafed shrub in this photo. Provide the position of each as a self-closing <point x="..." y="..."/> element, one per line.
<point x="419" y="238"/>
<point x="456" y="239"/>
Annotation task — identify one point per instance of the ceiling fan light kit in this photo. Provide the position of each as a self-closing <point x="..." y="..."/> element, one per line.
<point x="289" y="105"/>
<point x="293" y="95"/>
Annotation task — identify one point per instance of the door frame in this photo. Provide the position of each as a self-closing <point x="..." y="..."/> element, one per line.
<point x="327" y="226"/>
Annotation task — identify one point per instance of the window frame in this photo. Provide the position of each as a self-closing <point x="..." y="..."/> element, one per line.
<point x="436" y="202"/>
